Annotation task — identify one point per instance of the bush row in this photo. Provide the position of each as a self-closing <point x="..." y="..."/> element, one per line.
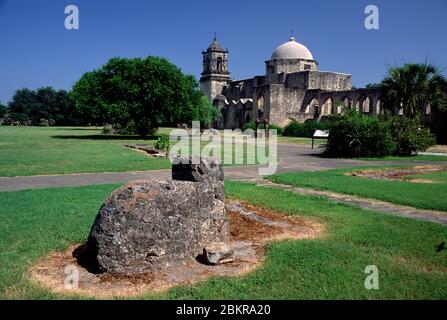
<point x="356" y="135"/>
<point x="306" y="129"/>
<point x="252" y="125"/>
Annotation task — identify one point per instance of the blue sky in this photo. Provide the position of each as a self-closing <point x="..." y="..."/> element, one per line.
<point x="36" y="50"/>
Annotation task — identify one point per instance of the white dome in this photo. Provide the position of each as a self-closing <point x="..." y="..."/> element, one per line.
<point x="292" y="50"/>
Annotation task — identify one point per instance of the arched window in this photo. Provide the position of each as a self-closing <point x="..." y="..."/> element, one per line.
<point x="261" y="102"/>
<point x="378" y="107"/>
<point x="366" y="108"/>
<point x="219" y="64"/>
<point x="327" y="107"/>
<point x="346" y="102"/>
<point x="314" y="107"/>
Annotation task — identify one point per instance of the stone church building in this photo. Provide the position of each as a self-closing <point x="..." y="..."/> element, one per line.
<point x="292" y="89"/>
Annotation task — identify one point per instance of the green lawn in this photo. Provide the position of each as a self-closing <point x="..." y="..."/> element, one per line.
<point x="60" y="150"/>
<point x="437" y="177"/>
<point x="55" y="150"/>
<point x="36" y="222"/>
<point x="319" y="143"/>
<point x="301" y="140"/>
<point x="409" y="158"/>
<point x="424" y="196"/>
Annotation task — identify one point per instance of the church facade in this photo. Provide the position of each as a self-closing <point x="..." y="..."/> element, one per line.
<point x="292" y="89"/>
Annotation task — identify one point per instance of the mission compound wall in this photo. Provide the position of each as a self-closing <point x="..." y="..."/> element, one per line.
<point x="292" y="89"/>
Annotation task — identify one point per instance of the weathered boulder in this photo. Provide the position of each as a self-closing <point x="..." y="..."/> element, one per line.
<point x="147" y="225"/>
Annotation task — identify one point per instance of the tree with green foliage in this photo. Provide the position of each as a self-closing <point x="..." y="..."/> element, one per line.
<point x="413" y="86"/>
<point x="87" y="96"/>
<point x="373" y="86"/>
<point x="23" y="104"/>
<point x="62" y="110"/>
<point x="141" y="95"/>
<point x="42" y="104"/>
<point x="3" y="110"/>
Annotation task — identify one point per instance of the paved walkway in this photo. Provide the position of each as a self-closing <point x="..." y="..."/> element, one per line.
<point x="293" y="157"/>
<point x="371" y="204"/>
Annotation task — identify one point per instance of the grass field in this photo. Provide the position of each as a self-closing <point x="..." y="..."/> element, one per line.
<point x="437" y="177"/>
<point x="36" y="222"/>
<point x="56" y="150"/>
<point x="424" y="196"/>
<point x="421" y="157"/>
<point x="300" y="140"/>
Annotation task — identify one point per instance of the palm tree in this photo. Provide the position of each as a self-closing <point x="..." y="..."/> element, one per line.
<point x="412" y="87"/>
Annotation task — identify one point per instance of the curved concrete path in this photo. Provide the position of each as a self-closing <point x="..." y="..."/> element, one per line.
<point x="293" y="157"/>
<point x="371" y="204"/>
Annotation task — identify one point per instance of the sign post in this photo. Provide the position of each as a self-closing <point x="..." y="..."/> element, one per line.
<point x="319" y="134"/>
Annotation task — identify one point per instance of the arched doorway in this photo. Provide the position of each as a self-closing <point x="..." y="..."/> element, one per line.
<point x="314" y="108"/>
<point x="260" y="104"/>
<point x="378" y="107"/>
<point x="327" y="107"/>
<point x="366" y="106"/>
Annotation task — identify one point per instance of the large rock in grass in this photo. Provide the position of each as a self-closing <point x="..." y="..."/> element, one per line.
<point x="147" y="225"/>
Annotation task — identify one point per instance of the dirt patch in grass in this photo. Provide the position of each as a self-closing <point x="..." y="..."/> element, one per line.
<point x="147" y="150"/>
<point x="415" y="264"/>
<point x="420" y="180"/>
<point x="251" y="228"/>
<point x="399" y="173"/>
<point x="269" y="225"/>
<point x="439" y="148"/>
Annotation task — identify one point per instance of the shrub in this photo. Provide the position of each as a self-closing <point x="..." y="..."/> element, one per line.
<point x="410" y="137"/>
<point x="293" y="129"/>
<point x="357" y="135"/>
<point x="252" y="125"/>
<point x="163" y="143"/>
<point x="107" y="129"/>
<point x="306" y="129"/>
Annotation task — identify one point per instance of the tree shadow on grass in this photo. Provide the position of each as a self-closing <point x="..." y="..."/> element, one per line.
<point x="103" y="137"/>
<point x="77" y="128"/>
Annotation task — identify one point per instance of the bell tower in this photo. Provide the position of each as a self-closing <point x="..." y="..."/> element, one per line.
<point x="215" y="75"/>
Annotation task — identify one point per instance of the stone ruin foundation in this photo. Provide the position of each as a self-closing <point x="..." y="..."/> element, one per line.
<point x="149" y="225"/>
<point x="151" y="235"/>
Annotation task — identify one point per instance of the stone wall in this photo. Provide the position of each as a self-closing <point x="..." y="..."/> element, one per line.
<point x="278" y="66"/>
<point x="282" y="101"/>
<point x="240" y="89"/>
<point x="312" y="80"/>
<point x="213" y="85"/>
<point x="329" y="81"/>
